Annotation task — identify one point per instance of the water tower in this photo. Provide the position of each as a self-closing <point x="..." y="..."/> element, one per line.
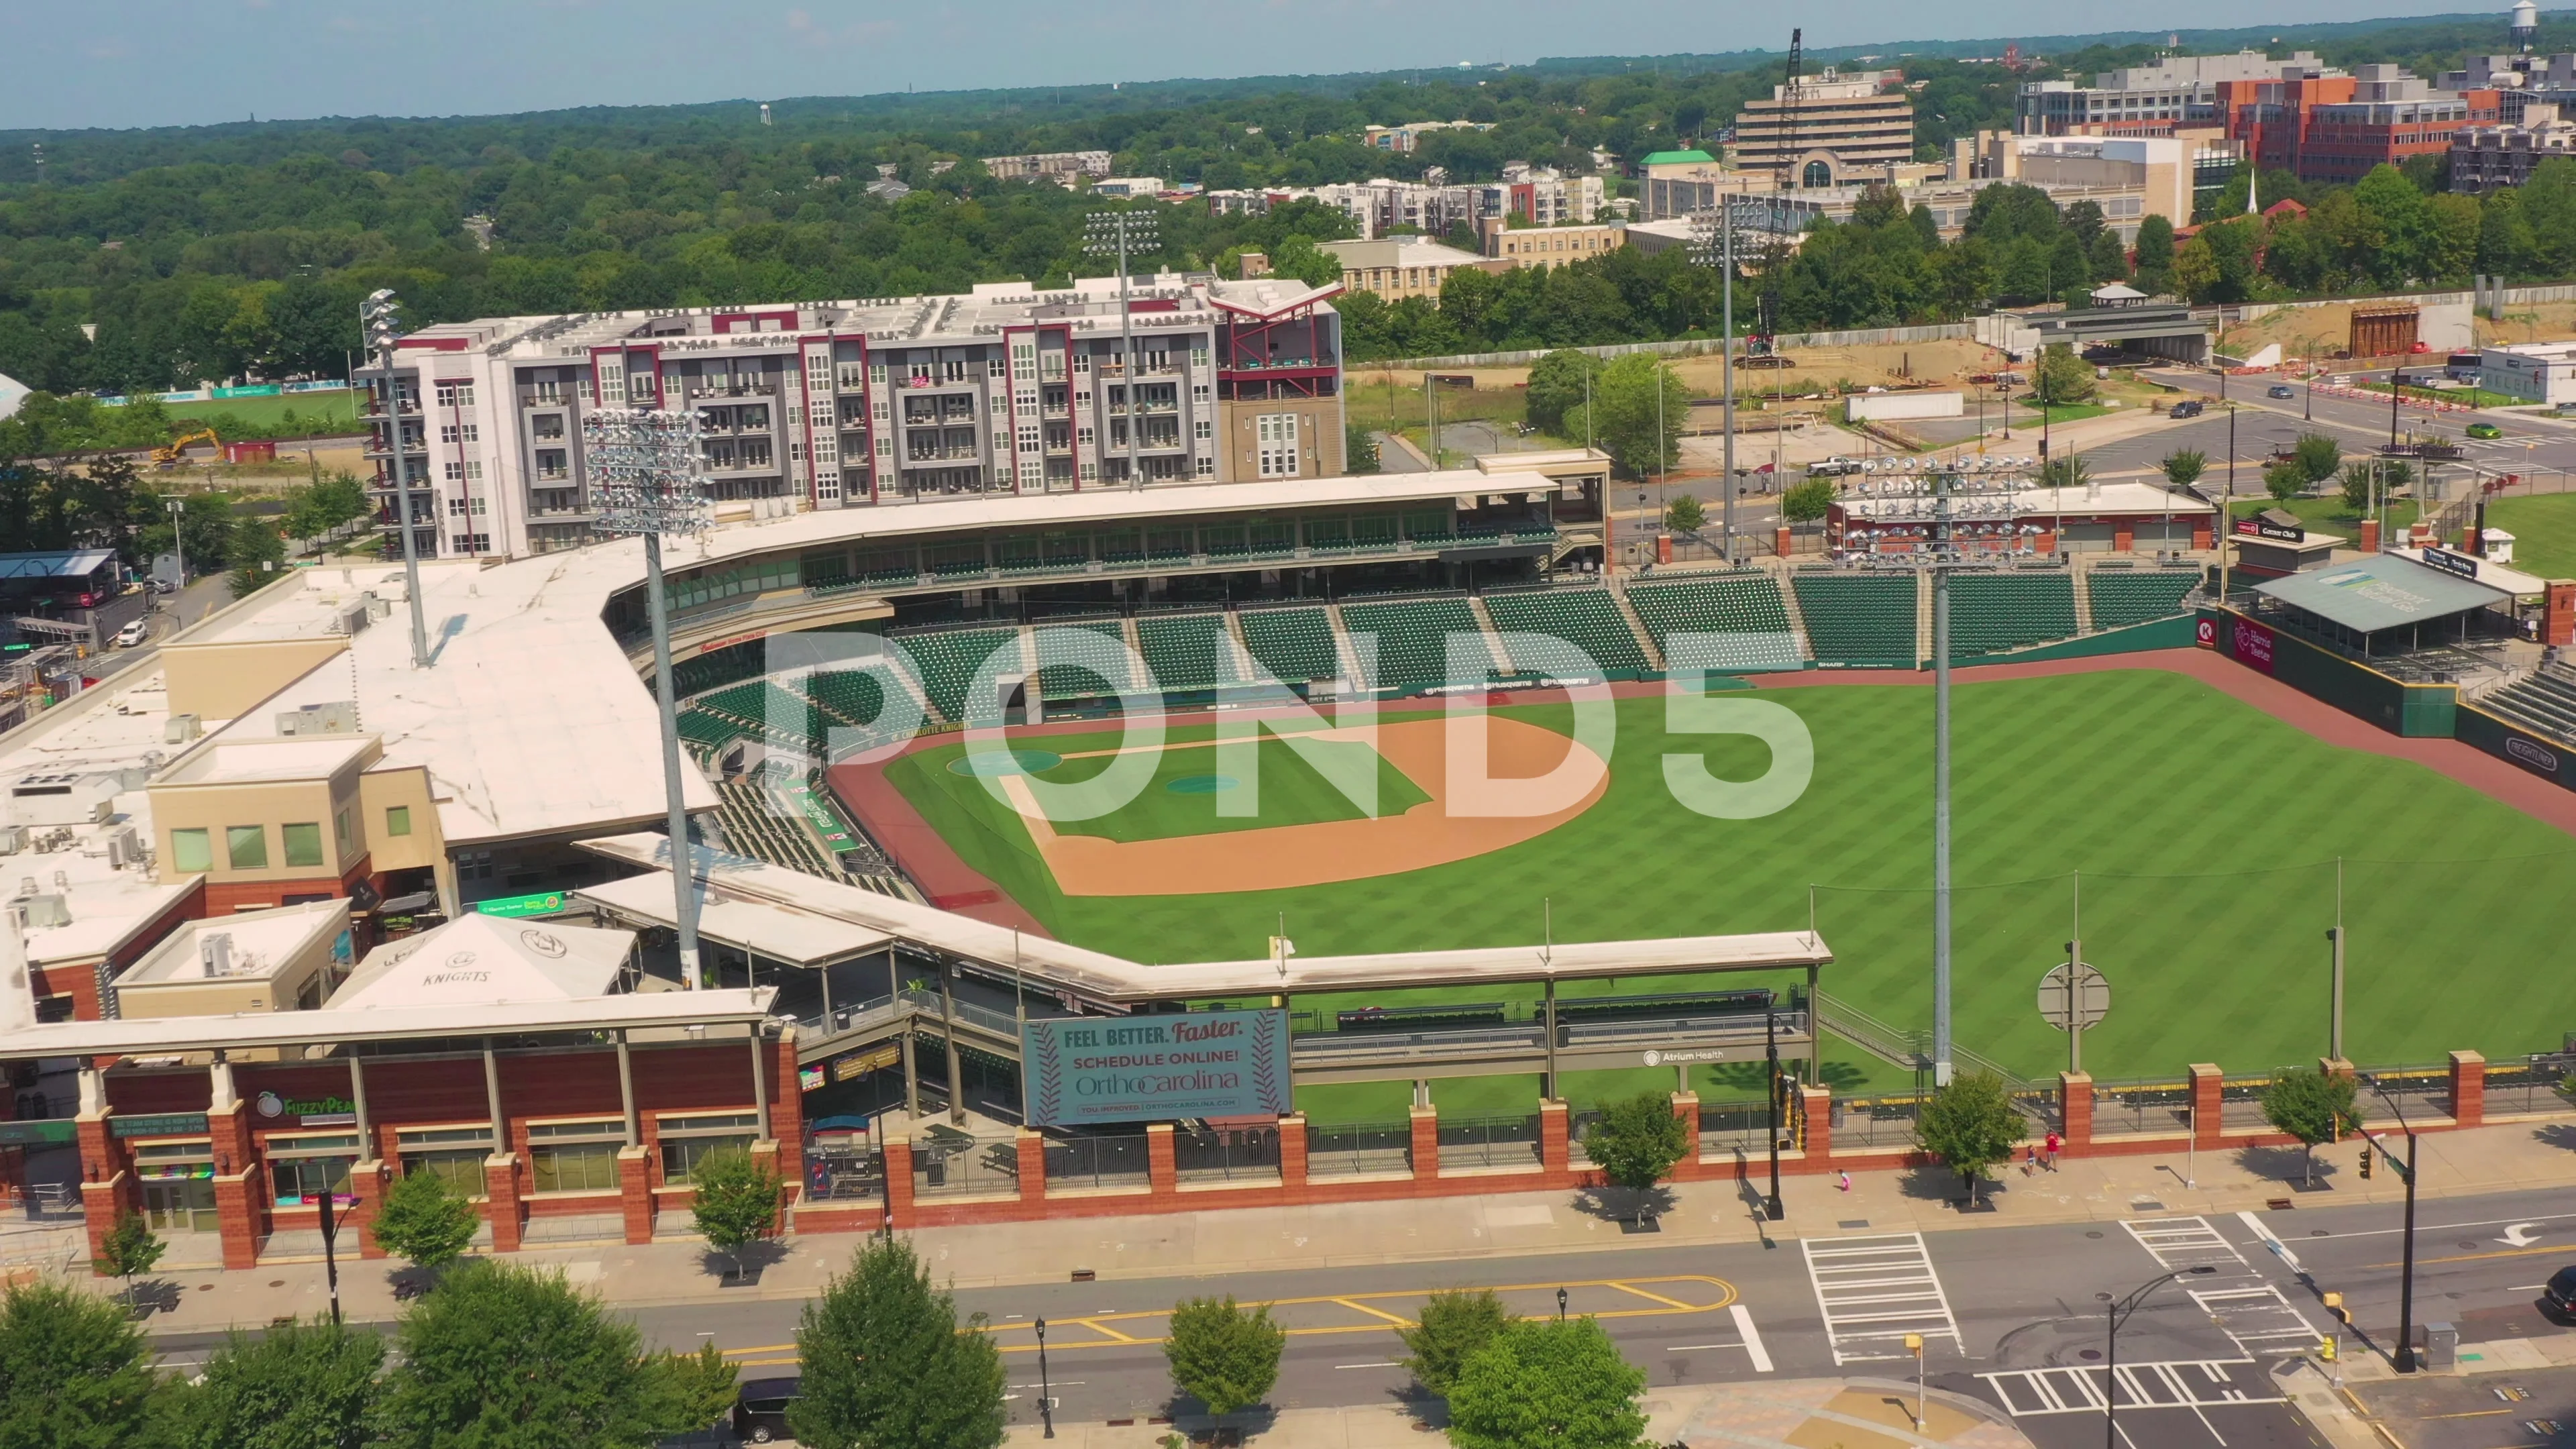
<point x="2526" y="24"/>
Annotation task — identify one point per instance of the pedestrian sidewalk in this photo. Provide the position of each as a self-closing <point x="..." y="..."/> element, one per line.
<point x="2505" y="1157"/>
<point x="1795" y="1414"/>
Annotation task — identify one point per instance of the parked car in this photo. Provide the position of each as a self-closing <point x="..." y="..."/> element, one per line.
<point x="1836" y="466"/>
<point x="131" y="635"/>
<point x="2280" y="389"/>
<point x="2483" y="430"/>
<point x="760" y="1411"/>
<point x="2187" y="408"/>
<point x="2558" y="1295"/>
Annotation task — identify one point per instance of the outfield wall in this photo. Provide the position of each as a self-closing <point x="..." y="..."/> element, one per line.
<point x="2533" y="754"/>
<point x="2412" y="710"/>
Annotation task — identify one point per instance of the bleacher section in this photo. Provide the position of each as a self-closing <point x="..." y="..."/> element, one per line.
<point x="1081" y="661"/>
<point x="1412" y="637"/>
<point x="1587" y="618"/>
<point x="2122" y="597"/>
<point x="1989" y="612"/>
<point x="723" y="667"/>
<point x="2545" y="703"/>
<point x="1859" y="619"/>
<point x="1186" y="651"/>
<point x="1292" y="646"/>
<point x="1743" y="610"/>
<point x="947" y="660"/>
<point x="855" y="696"/>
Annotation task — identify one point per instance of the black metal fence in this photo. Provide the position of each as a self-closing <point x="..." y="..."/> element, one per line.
<point x="1076" y="1162"/>
<point x="1730" y="1127"/>
<point x="1226" y="1154"/>
<point x="844" y="1174"/>
<point x="963" y="1169"/>
<point x="2515" y="1088"/>
<point x="2140" y="1105"/>
<point x="1489" y="1142"/>
<point x="1873" y="1123"/>
<point x="1347" y="1149"/>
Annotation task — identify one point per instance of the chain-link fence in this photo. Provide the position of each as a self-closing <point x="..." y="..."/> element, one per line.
<point x="1347" y="1149"/>
<point x="1489" y="1141"/>
<point x="1108" y="1161"/>
<point x="1226" y="1154"/>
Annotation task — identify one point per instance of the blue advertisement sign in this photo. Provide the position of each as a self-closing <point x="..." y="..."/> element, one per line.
<point x="1088" y="1070"/>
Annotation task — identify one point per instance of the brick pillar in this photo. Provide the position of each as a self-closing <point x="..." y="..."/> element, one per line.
<point x="2370" y="535"/>
<point x="1161" y="1170"/>
<point x="501" y="1194"/>
<point x="368" y="1181"/>
<point x="1816" y="1108"/>
<point x="1292" y="1150"/>
<point x="2207" y="1117"/>
<point x="2075" y="1111"/>
<point x="2468" y="1089"/>
<point x="1032" y="1148"/>
<point x="1555" y="1150"/>
<point x="1686" y="1110"/>
<point x="2123" y="538"/>
<point x="2335" y="1067"/>
<point x="635" y="1191"/>
<point x="237" y="1214"/>
<point x="787" y="1114"/>
<point x="898" y="1173"/>
<point x="234" y="1149"/>
<point x="2558" y="613"/>
<point x="2047" y="541"/>
<point x="2200" y="535"/>
<point x="100" y="1203"/>
<point x="1426" y="1143"/>
<point x="1780" y="541"/>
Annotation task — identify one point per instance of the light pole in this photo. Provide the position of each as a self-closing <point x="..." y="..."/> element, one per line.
<point x="2113" y="1316"/>
<point x="2405" y="1356"/>
<point x="1046" y="1395"/>
<point x="1771" y="1207"/>
<point x="1560" y="1305"/>
<point x="646" y="466"/>
<point x="1116" y="233"/>
<point x="179" y="541"/>
<point x="377" y="314"/>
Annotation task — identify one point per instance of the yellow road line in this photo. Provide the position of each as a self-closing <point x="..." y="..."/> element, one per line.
<point x="1658" y="1297"/>
<point x="1395" y="1318"/>
<point x="2474" y="1414"/>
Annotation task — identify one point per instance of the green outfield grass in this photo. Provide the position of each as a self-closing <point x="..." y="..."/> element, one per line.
<point x="2206" y="835"/>
<point x="1191" y="789"/>
<point x="316" y="413"/>
<point x="2544" y="532"/>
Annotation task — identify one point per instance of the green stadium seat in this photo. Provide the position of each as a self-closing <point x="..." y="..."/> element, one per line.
<point x="1862" y="619"/>
<point x="2122" y="597"/>
<point x="852" y="696"/>
<point x="1586" y="617"/>
<point x="947" y="660"/>
<point x="1736" y="622"/>
<point x="1991" y="612"/>
<point x="1186" y="651"/>
<point x="1412" y="637"/>
<point x="1081" y="661"/>
<point x="1292" y="645"/>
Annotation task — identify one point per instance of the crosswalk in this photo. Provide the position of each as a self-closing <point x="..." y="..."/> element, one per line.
<point x="1873" y="1290"/>
<point x="2239" y="1301"/>
<point x="2178" y="1244"/>
<point x="2177" y="1384"/>
<point x="2258" y="1319"/>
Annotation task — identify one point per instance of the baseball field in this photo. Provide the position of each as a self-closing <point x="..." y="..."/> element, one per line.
<point x="2206" y="844"/>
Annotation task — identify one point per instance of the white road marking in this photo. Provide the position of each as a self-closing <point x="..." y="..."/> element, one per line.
<point x="2177" y="1384"/>
<point x="1388" y="1364"/>
<point x="2279" y="1249"/>
<point x="2448" y="1227"/>
<point x="2180" y="1243"/>
<point x="1873" y="1290"/>
<point x="2258" y="1319"/>
<point x="1753" y="1348"/>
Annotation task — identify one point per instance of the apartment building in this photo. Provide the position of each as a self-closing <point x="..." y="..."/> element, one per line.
<point x="846" y="404"/>
<point x="1408" y="138"/>
<point x="1061" y="167"/>
<point x="1398" y="267"/>
<point x="1848" y="127"/>
<point x="1548" y="246"/>
<point x="2484" y="158"/>
<point x="2520" y="82"/>
<point x="1433" y="206"/>
<point x="2179" y="90"/>
<point x="2148" y="175"/>
<point x="1541" y="196"/>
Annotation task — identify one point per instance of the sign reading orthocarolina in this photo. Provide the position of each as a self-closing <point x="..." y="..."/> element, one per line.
<point x="1092" y="1069"/>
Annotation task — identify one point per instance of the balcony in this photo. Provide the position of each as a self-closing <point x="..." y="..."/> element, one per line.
<point x="943" y="455"/>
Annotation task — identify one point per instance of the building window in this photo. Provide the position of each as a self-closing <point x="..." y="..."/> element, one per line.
<point x="191" y="850"/>
<point x="397" y="820"/>
<point x="246" y="846"/>
<point x="1206" y="429"/>
<point x="340" y="830"/>
<point x="1277" y="437"/>
<point x="612" y="384"/>
<point x="456" y="394"/>
<point x="575" y="1156"/>
<point x="853" y="376"/>
<point x="1207" y="465"/>
<point x="300" y="1177"/>
<point x="303" y="844"/>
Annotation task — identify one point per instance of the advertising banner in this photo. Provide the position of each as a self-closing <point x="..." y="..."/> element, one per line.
<point x="2254" y="645"/>
<point x="1084" y="1071"/>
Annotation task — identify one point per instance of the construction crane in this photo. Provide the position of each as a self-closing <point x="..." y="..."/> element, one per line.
<point x="168" y="454"/>
<point x="1787" y="134"/>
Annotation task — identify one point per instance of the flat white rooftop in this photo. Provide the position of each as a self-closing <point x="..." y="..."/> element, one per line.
<point x="260" y="942"/>
<point x="304" y="757"/>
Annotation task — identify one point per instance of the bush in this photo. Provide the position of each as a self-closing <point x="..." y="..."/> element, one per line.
<point x="1807" y="501"/>
<point x="1971" y="1125"/>
<point x="1548" y="1386"/>
<point x="1454" y="1327"/>
<point x="1637" y="1141"/>
<point x="1221" y="1355"/>
<point x="2285" y="480"/>
<point x="1685" y="515"/>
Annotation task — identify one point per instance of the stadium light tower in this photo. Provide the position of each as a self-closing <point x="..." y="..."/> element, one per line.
<point x="377" y="316"/>
<point x="1939" y="518"/>
<point x="645" y="463"/>
<point x="1713" y="245"/>
<point x="1115" y="234"/>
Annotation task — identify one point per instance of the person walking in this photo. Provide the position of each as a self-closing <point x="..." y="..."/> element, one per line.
<point x="2054" y="1142"/>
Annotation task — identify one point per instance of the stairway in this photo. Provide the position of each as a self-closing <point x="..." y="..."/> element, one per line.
<point x="1239" y="654"/>
<point x="2079" y="575"/>
<point x="1343" y="649"/>
<point x="1493" y="637"/>
<point x="1135" y="651"/>
<point x="1789" y="603"/>
<point x="1636" y="626"/>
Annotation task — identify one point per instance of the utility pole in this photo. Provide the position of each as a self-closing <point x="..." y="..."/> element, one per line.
<point x="377" y="316"/>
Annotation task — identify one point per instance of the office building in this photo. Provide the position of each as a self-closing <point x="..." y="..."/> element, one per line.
<point x="1398" y="267"/>
<point x="1408" y="138"/>
<point x="2484" y="158"/>
<point x="1548" y="246"/>
<point x="1060" y="167"/>
<point x="1847" y="127"/>
<point x="2177" y="91"/>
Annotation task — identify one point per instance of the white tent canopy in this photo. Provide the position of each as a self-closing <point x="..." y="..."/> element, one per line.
<point x="484" y="960"/>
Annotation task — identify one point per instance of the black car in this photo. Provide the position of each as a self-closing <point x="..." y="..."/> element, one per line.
<point x="2559" y="1294"/>
<point x="760" y="1414"/>
<point x="2280" y="389"/>
<point x="2185" y="409"/>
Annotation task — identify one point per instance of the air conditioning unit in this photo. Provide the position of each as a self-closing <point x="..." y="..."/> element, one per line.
<point x="215" y="951"/>
<point x="124" y="848"/>
<point x="13" y="839"/>
<point x="339" y="717"/>
<point x="181" y="729"/>
<point x="47" y="912"/>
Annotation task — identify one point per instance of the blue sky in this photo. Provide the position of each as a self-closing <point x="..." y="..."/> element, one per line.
<point x="67" y="64"/>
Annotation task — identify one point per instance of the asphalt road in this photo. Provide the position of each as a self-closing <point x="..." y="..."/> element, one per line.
<point x="2014" y="1315"/>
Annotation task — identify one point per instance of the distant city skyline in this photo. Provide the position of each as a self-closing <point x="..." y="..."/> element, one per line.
<point x="197" y="62"/>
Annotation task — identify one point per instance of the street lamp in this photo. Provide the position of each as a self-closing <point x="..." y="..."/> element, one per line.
<point x="1115" y="234"/>
<point x="1560" y="1305"/>
<point x="377" y="315"/>
<point x="645" y="463"/>
<point x="2406" y="1283"/>
<point x="1046" y="1396"/>
<point x="1771" y="1208"/>
<point x="179" y="538"/>
<point x="2113" y="1316"/>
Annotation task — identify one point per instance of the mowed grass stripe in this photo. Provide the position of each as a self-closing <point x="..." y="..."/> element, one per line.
<point x="2180" y="806"/>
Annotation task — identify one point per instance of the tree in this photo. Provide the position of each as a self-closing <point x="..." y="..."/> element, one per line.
<point x="1359" y="450"/>
<point x="704" y="1385"/>
<point x="1636" y="1142"/>
<point x="2062" y="377"/>
<point x="736" y="1201"/>
<point x="2311" y="1106"/>
<point x="296" y="1386"/>
<point x="1685" y="515"/>
<point x="1300" y="258"/>
<point x="129" y="1248"/>
<point x="2183" y="466"/>
<point x="2358" y="485"/>
<point x="2285" y="480"/>
<point x="1558" y="386"/>
<point x="884" y="1364"/>
<point x="501" y="1357"/>
<point x="2318" y="456"/>
<point x="2155" y="249"/>
<point x="1971" y="1125"/>
<point x="254" y="553"/>
<point x="1454" y="1327"/>
<point x="424" y="1220"/>
<point x="2067" y="470"/>
<point x="74" y="1370"/>
<point x="1807" y="500"/>
<point x="1542" y="1385"/>
<point x="1639" y="406"/>
<point x="1221" y="1355"/>
<point x="2194" y="273"/>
